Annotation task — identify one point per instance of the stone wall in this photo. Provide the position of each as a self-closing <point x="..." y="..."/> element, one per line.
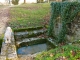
<point x="73" y="28"/>
<point x="4" y="2"/>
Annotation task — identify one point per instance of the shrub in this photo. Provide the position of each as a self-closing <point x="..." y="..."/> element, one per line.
<point x="67" y="52"/>
<point x="15" y="2"/>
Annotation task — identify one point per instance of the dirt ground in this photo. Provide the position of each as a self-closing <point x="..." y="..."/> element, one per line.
<point x="4" y="18"/>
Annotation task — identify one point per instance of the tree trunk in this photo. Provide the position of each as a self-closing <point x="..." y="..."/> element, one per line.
<point x="48" y="1"/>
<point x="24" y="1"/>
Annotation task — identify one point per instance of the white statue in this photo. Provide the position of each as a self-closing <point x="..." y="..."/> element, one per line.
<point x="8" y="34"/>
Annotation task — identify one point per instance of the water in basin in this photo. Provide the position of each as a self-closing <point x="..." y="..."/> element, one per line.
<point x="32" y="49"/>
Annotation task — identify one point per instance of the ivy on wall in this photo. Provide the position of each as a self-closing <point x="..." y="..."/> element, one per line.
<point x="67" y="11"/>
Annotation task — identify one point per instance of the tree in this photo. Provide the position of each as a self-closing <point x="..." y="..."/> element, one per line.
<point x="15" y="2"/>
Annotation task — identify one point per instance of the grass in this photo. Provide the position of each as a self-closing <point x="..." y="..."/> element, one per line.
<point x="1" y="6"/>
<point x="67" y="52"/>
<point x="28" y="15"/>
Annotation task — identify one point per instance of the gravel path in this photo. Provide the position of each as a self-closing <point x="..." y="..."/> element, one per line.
<point x="4" y="18"/>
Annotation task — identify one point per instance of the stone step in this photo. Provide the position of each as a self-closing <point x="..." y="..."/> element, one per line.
<point x="30" y="41"/>
<point x="51" y="41"/>
<point x="27" y="29"/>
<point x="28" y="34"/>
<point x="2" y="57"/>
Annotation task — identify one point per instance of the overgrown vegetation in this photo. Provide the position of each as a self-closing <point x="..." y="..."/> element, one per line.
<point x="67" y="52"/>
<point x="28" y="15"/>
<point x="1" y="40"/>
<point x="67" y="11"/>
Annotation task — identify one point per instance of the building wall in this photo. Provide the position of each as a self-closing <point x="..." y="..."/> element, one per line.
<point x="21" y="1"/>
<point x="2" y="2"/>
<point x="31" y="1"/>
<point x="27" y="1"/>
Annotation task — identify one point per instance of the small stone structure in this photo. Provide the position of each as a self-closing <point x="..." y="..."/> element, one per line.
<point x="8" y="50"/>
<point x="73" y="29"/>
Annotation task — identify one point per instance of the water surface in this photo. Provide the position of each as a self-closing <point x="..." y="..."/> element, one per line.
<point x="32" y="49"/>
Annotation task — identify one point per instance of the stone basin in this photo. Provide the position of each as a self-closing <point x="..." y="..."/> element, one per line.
<point x="32" y="46"/>
<point x="32" y="49"/>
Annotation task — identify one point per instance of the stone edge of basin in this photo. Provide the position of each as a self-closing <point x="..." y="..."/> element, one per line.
<point x="8" y="50"/>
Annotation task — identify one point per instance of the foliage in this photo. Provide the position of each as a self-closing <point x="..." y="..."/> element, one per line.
<point x="1" y="40"/>
<point x="28" y="15"/>
<point x="15" y="2"/>
<point x="67" y="52"/>
<point x="67" y="11"/>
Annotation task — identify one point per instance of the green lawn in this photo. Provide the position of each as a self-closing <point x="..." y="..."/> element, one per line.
<point x="28" y="15"/>
<point x="67" y="52"/>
